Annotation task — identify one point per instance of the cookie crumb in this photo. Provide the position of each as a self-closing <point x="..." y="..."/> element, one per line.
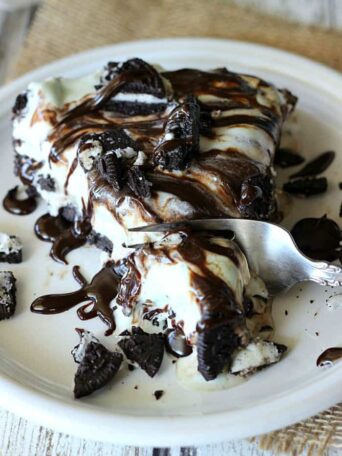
<point x="158" y="394"/>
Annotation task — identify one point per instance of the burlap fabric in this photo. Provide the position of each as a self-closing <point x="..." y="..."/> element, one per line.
<point x="63" y="27"/>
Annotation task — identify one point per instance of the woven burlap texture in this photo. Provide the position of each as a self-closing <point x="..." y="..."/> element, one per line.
<point x="63" y="27"/>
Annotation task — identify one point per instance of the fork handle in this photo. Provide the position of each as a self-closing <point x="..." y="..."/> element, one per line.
<point x="325" y="274"/>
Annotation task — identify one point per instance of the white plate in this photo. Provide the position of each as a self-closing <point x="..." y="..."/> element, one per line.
<point x="36" y="370"/>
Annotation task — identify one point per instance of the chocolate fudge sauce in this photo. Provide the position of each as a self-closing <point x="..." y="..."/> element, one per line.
<point x="19" y="206"/>
<point x="318" y="238"/>
<point x="65" y="236"/>
<point x="329" y="356"/>
<point x="99" y="293"/>
<point x="176" y="344"/>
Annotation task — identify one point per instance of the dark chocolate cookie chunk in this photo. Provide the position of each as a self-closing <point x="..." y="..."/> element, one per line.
<point x="256" y="200"/>
<point x="306" y="187"/>
<point x="214" y="350"/>
<point x="20" y="104"/>
<point x="145" y="349"/>
<point x="97" y="367"/>
<point x="138" y="182"/>
<point x="7" y="294"/>
<point x="316" y="166"/>
<point x="285" y="158"/>
<point x="116" y="139"/>
<point x="147" y="80"/>
<point x="10" y="249"/>
<point x="46" y="183"/>
<point x="111" y="169"/>
<point x="101" y="242"/>
<point x="181" y="137"/>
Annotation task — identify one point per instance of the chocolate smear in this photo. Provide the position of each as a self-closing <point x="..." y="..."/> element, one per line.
<point x="316" y="166"/>
<point x="285" y="158"/>
<point x="329" y="357"/>
<point x="176" y="343"/>
<point x="65" y="236"/>
<point x="16" y="206"/>
<point x="99" y="293"/>
<point x="318" y="238"/>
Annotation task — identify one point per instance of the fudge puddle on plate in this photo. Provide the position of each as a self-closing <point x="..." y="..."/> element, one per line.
<point x="132" y="145"/>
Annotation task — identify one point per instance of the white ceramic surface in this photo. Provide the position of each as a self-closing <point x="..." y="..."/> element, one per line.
<point x="36" y="368"/>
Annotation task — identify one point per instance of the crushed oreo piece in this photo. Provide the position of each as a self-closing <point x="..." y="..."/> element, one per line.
<point x="145" y="349"/>
<point x="214" y="350"/>
<point x="101" y="242"/>
<point x="306" y="186"/>
<point x="20" y="103"/>
<point x="148" y="79"/>
<point x="10" y="249"/>
<point x="158" y="394"/>
<point x="68" y="212"/>
<point x="181" y="137"/>
<point x="257" y="197"/>
<point x="7" y="294"/>
<point x="255" y="356"/>
<point x="316" y="166"/>
<point x="111" y="169"/>
<point x="138" y="182"/>
<point x="46" y="183"/>
<point x="116" y="139"/>
<point x="96" y="368"/>
<point x="286" y="158"/>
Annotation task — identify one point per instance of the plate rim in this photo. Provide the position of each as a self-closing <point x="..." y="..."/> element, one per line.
<point x="174" y="430"/>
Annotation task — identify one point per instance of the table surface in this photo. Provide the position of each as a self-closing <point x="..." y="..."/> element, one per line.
<point x="20" y="437"/>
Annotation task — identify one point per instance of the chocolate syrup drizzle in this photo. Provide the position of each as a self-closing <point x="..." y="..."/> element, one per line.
<point x="230" y="168"/>
<point x="329" y="356"/>
<point x="176" y="344"/>
<point x="65" y="236"/>
<point x="99" y="293"/>
<point x="19" y="206"/>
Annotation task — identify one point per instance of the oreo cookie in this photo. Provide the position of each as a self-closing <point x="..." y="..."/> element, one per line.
<point x="46" y="183"/>
<point x="147" y="350"/>
<point x="256" y="197"/>
<point x="101" y="242"/>
<point x="138" y="182"/>
<point x="214" y="350"/>
<point x="148" y="79"/>
<point x="10" y="249"/>
<point x="306" y="187"/>
<point x="180" y="142"/>
<point x="112" y="169"/>
<point x="97" y="365"/>
<point x="7" y="294"/>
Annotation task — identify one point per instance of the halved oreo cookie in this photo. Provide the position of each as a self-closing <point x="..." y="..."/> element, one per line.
<point x="180" y="142"/>
<point x="97" y="365"/>
<point x="148" y="79"/>
<point x="131" y="100"/>
<point x="145" y="349"/>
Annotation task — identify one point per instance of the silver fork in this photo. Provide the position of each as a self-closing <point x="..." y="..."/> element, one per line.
<point x="270" y="250"/>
